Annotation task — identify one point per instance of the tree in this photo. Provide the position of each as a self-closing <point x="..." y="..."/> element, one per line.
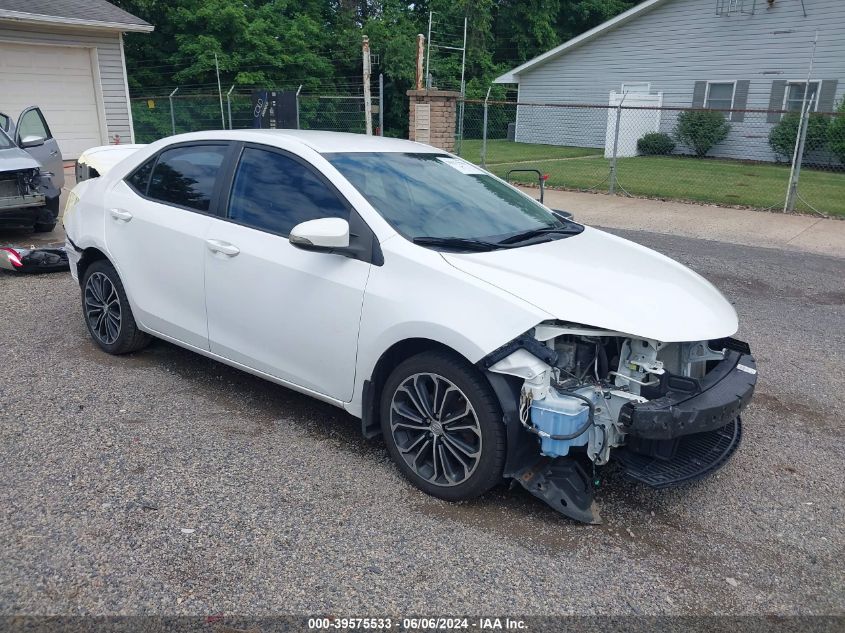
<point x="281" y="44"/>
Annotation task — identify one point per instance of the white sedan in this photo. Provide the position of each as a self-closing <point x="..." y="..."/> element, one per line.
<point x="483" y="335"/>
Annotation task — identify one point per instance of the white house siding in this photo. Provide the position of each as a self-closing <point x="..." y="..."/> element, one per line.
<point x="112" y="78"/>
<point x="672" y="46"/>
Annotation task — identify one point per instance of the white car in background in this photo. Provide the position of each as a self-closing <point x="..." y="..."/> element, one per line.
<point x="481" y="334"/>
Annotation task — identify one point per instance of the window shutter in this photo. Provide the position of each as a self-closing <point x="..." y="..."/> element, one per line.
<point x="740" y="100"/>
<point x="827" y="93"/>
<point x="698" y="94"/>
<point x="776" y="100"/>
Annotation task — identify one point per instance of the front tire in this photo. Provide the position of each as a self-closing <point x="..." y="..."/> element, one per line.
<point x="107" y="313"/>
<point x="443" y="426"/>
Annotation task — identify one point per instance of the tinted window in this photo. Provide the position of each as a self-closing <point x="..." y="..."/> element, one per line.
<point x="428" y="195"/>
<point x="186" y="175"/>
<point x="139" y="179"/>
<point x="274" y="193"/>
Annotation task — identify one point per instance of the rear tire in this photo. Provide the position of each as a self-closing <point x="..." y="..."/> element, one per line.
<point x="443" y="426"/>
<point x="107" y="313"/>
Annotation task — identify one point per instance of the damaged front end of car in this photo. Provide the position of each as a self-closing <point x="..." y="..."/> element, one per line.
<point x="576" y="397"/>
<point x="27" y="195"/>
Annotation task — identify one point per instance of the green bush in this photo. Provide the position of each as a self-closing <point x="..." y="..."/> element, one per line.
<point x="655" y="143"/>
<point x="700" y="130"/>
<point x="782" y="136"/>
<point x="836" y="134"/>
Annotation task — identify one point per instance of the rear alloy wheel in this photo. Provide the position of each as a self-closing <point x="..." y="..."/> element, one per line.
<point x="443" y="426"/>
<point x="107" y="313"/>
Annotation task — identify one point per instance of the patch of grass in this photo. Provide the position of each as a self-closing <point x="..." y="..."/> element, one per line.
<point x="760" y="185"/>
<point x="502" y="151"/>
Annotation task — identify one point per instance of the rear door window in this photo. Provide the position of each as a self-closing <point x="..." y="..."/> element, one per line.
<point x="186" y="176"/>
<point x="274" y="192"/>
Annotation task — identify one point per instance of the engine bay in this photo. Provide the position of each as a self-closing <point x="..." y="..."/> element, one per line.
<point x="589" y="395"/>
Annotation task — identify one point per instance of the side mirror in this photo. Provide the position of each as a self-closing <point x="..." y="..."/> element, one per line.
<point x="323" y="234"/>
<point x="32" y="141"/>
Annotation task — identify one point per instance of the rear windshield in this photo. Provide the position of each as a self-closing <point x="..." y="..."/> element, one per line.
<point x="433" y="195"/>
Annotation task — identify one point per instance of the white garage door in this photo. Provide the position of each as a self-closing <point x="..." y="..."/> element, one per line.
<point x="60" y="81"/>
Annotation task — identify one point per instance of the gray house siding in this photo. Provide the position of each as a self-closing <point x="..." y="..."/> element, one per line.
<point x="109" y="61"/>
<point x="673" y="46"/>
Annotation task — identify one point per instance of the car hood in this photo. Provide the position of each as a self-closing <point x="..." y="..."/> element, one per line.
<point x="601" y="280"/>
<point x="15" y="159"/>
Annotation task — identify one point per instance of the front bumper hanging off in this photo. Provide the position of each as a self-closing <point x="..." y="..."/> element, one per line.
<point x="692" y="405"/>
<point x="691" y="430"/>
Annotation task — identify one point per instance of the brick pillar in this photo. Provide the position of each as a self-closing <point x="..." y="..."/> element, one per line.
<point x="431" y="118"/>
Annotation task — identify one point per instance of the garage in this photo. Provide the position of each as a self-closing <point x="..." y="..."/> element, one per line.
<point x="60" y="80"/>
<point x="67" y="58"/>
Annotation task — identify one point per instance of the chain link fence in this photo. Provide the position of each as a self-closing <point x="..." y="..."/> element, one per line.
<point x="156" y="117"/>
<point x="750" y="158"/>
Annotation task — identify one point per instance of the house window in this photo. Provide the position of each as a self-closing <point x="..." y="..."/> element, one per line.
<point x="795" y="95"/>
<point x="720" y="95"/>
<point x="639" y="87"/>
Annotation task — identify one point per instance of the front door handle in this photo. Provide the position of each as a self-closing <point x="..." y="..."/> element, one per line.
<point x="120" y="214"/>
<point x="218" y="246"/>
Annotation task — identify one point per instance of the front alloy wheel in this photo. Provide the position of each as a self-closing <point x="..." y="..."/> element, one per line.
<point x="443" y="426"/>
<point x="435" y="429"/>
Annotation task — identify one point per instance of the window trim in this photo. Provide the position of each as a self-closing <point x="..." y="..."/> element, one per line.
<point x="801" y="82"/>
<point x="707" y="93"/>
<point x="229" y="184"/>
<point x="213" y="208"/>
<point x="647" y="85"/>
<point x="363" y="244"/>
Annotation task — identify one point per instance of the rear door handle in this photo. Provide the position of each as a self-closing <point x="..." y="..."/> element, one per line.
<point x="120" y="214"/>
<point x="218" y="246"/>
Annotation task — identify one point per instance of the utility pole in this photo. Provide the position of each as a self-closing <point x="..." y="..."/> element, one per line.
<point x="220" y="93"/>
<point x="368" y="103"/>
<point x="418" y="85"/>
<point x="428" y="51"/>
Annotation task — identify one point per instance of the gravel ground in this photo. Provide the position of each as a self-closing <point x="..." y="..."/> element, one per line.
<point x="166" y="483"/>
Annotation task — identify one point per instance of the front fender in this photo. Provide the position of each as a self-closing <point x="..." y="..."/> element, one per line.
<point x="417" y="295"/>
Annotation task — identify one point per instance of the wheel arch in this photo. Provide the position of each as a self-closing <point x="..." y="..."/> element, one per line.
<point x="89" y="256"/>
<point x="390" y="358"/>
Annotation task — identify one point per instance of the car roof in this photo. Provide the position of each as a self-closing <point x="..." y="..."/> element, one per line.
<point x="320" y="141"/>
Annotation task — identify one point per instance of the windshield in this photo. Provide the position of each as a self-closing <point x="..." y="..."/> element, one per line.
<point x="5" y="141"/>
<point x="438" y="196"/>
